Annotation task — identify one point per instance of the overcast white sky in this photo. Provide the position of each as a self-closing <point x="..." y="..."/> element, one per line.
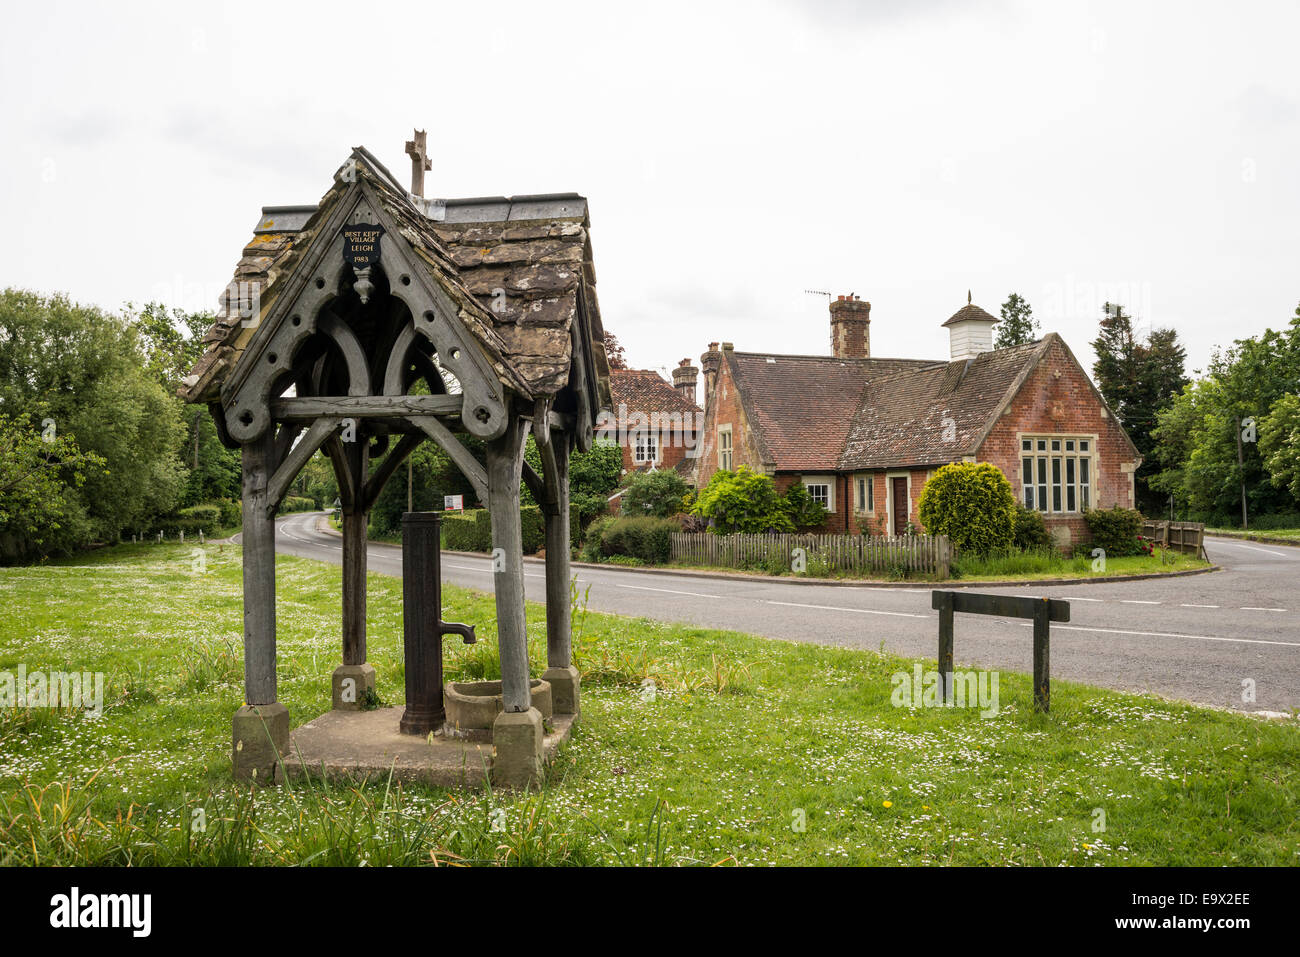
<point x="733" y="156"/>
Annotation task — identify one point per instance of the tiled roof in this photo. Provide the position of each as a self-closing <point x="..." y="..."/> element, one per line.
<point x="644" y="390"/>
<point x="937" y="414"/>
<point x="801" y="406"/>
<point x="528" y="259"/>
<point x="519" y="270"/>
<point x="969" y="311"/>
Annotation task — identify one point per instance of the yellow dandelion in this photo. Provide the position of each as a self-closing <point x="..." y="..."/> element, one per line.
<point x="887" y="803"/>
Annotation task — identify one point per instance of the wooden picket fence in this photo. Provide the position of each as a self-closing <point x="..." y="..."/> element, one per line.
<point x="1185" y="537"/>
<point x="888" y="554"/>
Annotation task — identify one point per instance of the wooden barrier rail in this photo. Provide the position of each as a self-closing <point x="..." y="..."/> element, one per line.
<point x="1185" y="537"/>
<point x="924" y="554"/>
<point x="1041" y="611"/>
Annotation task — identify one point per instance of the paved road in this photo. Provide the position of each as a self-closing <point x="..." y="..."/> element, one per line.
<point x="1195" y="638"/>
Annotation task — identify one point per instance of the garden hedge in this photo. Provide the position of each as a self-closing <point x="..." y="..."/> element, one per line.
<point x="471" y="531"/>
<point x="1115" y="529"/>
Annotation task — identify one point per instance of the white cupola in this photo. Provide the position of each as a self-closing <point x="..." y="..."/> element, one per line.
<point x="970" y="331"/>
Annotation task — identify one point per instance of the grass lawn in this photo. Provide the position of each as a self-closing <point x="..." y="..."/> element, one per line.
<point x="749" y="751"/>
<point x="1289" y="534"/>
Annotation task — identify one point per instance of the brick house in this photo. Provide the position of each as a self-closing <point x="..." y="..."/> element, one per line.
<point x="656" y="424"/>
<point x="864" y="434"/>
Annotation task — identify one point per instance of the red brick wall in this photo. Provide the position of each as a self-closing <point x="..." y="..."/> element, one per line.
<point x="672" y="449"/>
<point x="1058" y="399"/>
<point x="835" y="522"/>
<point x="726" y="409"/>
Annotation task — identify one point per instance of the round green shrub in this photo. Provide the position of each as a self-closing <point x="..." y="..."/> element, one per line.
<point x="742" y="501"/>
<point x="1115" y="529"/>
<point x="1030" y="530"/>
<point x="659" y="494"/>
<point x="972" y="503"/>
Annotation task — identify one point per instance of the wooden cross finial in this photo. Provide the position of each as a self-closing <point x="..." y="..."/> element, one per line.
<point x="419" y="153"/>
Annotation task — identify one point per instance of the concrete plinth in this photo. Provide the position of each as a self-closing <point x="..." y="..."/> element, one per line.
<point x="351" y="685"/>
<point x="353" y="746"/>
<point x="259" y="742"/>
<point x="517" y="741"/>
<point x="565" y="692"/>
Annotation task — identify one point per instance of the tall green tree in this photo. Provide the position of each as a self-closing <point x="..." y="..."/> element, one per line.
<point x="1279" y="444"/>
<point x="1243" y="395"/>
<point x="40" y="475"/>
<point x="93" y="373"/>
<point x="1018" y="325"/>
<point x="1138" y="378"/>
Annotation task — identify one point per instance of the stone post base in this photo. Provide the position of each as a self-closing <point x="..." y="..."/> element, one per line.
<point x="517" y="748"/>
<point x="350" y="685"/>
<point x="565" y="693"/>
<point x="260" y="737"/>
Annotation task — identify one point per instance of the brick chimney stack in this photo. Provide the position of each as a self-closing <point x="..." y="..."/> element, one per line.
<point x="684" y="378"/>
<point x="850" y="328"/>
<point x="710" y="362"/>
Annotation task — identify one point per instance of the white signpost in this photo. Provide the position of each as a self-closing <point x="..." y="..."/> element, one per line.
<point x="453" y="503"/>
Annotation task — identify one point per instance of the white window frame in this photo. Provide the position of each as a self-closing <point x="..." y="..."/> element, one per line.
<point x="726" y="450"/>
<point x="645" y="448"/>
<point x="1050" y="457"/>
<point x="865" y="504"/>
<point x="828" y="481"/>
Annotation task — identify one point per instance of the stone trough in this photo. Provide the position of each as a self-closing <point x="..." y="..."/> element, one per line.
<point x="473" y="706"/>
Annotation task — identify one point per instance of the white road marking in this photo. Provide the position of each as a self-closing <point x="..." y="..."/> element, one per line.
<point x="1198" y="606"/>
<point x="668" y="591"/>
<point x="1253" y="548"/>
<point x="1165" y="634"/>
<point x="485" y="571"/>
<point x="1257" y="608"/>
<point x="1078" y="598"/>
<point x="858" y="611"/>
<point x="1134" y="601"/>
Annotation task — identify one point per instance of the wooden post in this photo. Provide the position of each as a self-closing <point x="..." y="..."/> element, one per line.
<point x="505" y="457"/>
<point x="558" y="625"/>
<point x="357" y="457"/>
<point x="1042" y="663"/>
<point x="945" y="645"/>
<point x="1241" y="471"/>
<point x="564" y="679"/>
<point x="259" y="573"/>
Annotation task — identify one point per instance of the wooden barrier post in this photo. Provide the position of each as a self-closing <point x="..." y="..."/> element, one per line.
<point x="1042" y="660"/>
<point x="1042" y="611"/>
<point x="945" y="643"/>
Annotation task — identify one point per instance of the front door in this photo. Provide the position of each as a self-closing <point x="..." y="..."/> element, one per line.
<point x="900" y="504"/>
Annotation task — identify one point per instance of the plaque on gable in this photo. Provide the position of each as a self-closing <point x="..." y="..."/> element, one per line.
<point x="361" y="244"/>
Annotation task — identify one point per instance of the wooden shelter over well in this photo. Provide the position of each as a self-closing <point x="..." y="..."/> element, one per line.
<point x="335" y="312"/>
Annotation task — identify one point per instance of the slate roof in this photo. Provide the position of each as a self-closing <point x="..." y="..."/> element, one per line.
<point x="519" y="269"/>
<point x="800" y="406"/>
<point x="644" y="390"/>
<point x="900" y="419"/>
